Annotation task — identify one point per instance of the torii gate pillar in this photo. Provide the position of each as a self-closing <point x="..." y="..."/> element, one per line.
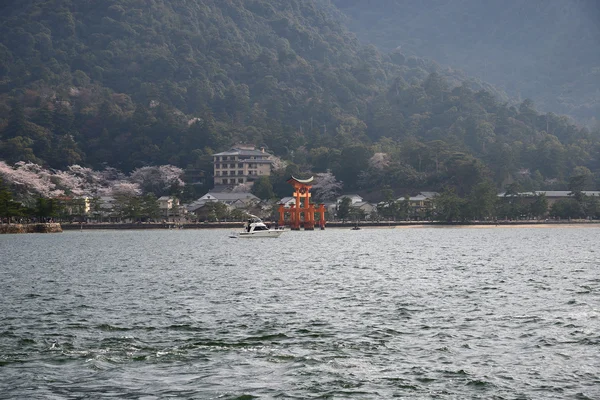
<point x="302" y="212"/>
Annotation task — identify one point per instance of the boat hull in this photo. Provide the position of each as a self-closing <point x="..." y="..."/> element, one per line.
<point x="260" y="234"/>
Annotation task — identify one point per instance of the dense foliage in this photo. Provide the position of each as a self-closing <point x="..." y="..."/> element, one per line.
<point x="541" y="49"/>
<point x="127" y="84"/>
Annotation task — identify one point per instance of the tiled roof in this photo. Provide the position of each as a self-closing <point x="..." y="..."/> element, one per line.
<point x="242" y="152"/>
<point x="350" y="196"/>
<point x="421" y="196"/>
<point x="285" y="200"/>
<point x="554" y="193"/>
<point x="232" y="196"/>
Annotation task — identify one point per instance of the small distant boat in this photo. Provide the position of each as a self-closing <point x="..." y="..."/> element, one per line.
<point x="255" y="229"/>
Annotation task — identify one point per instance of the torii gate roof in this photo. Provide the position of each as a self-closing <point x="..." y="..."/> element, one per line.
<point x="302" y="181"/>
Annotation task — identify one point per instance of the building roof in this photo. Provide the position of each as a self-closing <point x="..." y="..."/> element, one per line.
<point x="553" y="193"/>
<point x="350" y="196"/>
<point x="242" y="152"/>
<point x="197" y="204"/>
<point x="233" y="196"/>
<point x="285" y="200"/>
<point x="303" y="181"/>
<point x="420" y="197"/>
<point x="164" y="198"/>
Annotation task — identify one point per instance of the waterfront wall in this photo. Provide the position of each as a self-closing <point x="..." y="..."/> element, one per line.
<point x="99" y="226"/>
<point x="30" y="228"/>
<point x="336" y="224"/>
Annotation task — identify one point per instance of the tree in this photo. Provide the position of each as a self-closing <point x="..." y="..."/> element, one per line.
<point x="343" y="210"/>
<point x="448" y="206"/>
<point x="403" y="208"/>
<point x="566" y="208"/>
<point x="592" y="207"/>
<point x="161" y="180"/>
<point x="357" y="214"/>
<point x="216" y="211"/>
<point x="482" y="201"/>
<point x="128" y="206"/>
<point x="465" y="172"/>
<point x="354" y="159"/>
<point x="539" y="207"/>
<point x="17" y="123"/>
<point x="96" y="207"/>
<point x="387" y="208"/>
<point x="46" y="208"/>
<point x="326" y="187"/>
<point x="149" y="206"/>
<point x="263" y="189"/>
<point x="576" y="186"/>
<point x="8" y="207"/>
<point x="238" y="215"/>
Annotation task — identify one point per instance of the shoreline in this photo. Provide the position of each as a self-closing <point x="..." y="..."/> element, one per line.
<point x="58" y="227"/>
<point x="340" y="225"/>
<point x="48" y="227"/>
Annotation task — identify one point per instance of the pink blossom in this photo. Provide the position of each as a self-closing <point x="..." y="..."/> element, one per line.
<point x="158" y="180"/>
<point x="379" y="161"/>
<point x="326" y="187"/>
<point x="29" y="180"/>
<point x="125" y="189"/>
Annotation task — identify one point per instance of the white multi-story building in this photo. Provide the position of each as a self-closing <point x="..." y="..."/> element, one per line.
<point x="241" y="164"/>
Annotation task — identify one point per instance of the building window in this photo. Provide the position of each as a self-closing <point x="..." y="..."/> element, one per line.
<point x="240" y="172"/>
<point x="240" y="165"/>
<point x="241" y="180"/>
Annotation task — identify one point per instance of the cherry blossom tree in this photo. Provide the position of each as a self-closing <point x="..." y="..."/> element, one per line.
<point x="278" y="164"/>
<point x="379" y="161"/>
<point x="242" y="188"/>
<point x="158" y="180"/>
<point x="126" y="189"/>
<point x="28" y="180"/>
<point x="326" y="187"/>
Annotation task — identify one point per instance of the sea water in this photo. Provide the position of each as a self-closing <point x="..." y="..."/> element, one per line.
<point x="421" y="313"/>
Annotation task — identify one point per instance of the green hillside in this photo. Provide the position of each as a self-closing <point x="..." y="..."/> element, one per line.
<point x="546" y="50"/>
<point x="127" y="83"/>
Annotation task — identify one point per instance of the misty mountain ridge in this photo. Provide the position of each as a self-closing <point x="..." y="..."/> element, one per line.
<point x="546" y="50"/>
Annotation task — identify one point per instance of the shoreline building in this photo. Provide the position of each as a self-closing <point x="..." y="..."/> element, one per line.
<point x="241" y="164"/>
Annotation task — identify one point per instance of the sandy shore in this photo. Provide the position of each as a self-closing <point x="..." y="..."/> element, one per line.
<point x="502" y="226"/>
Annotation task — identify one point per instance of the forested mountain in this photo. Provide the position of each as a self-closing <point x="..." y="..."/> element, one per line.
<point x="546" y="50"/>
<point x="129" y="83"/>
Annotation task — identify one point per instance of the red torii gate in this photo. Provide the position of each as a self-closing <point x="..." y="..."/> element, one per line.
<point x="299" y="210"/>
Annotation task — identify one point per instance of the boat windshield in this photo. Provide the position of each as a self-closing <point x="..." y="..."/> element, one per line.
<point x="261" y="228"/>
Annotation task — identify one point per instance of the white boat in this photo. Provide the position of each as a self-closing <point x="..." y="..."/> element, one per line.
<point x="255" y="229"/>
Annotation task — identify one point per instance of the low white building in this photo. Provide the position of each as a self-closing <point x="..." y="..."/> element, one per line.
<point x="168" y="205"/>
<point x="231" y="199"/>
<point x="354" y="199"/>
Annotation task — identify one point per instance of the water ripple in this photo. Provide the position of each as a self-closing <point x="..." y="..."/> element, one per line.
<point x="420" y="313"/>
